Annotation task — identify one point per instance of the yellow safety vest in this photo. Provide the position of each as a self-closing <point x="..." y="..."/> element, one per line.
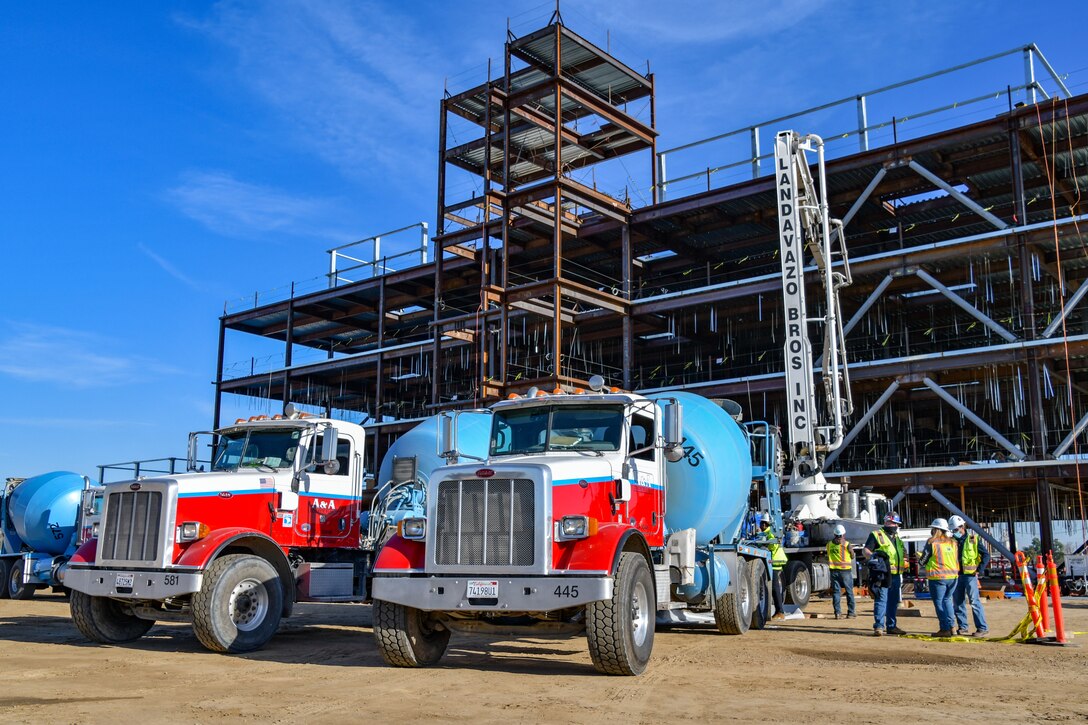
<point x="971" y="556"/>
<point x="840" y="557"/>
<point x="897" y="555"/>
<point x="778" y="555"/>
<point x="943" y="560"/>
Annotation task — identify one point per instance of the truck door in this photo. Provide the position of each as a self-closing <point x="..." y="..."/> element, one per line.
<point x="328" y="508"/>
<point x="647" y="489"/>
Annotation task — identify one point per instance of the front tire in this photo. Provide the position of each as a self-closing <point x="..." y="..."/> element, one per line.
<point x="16" y="587"/>
<point x="104" y="620"/>
<point x="798" y="583"/>
<point x="733" y="610"/>
<point x="406" y="637"/>
<point x="620" y="630"/>
<point x="239" y="605"/>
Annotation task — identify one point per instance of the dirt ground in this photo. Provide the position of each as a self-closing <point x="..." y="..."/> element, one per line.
<point x="323" y="667"/>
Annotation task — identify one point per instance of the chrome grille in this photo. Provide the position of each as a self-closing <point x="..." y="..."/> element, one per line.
<point x="131" y="529"/>
<point x="485" y="522"/>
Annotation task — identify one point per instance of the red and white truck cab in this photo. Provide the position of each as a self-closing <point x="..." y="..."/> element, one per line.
<point x="561" y="529"/>
<point x="276" y="518"/>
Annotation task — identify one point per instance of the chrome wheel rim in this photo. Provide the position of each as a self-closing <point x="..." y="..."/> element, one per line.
<point x="248" y="604"/>
<point x="640" y="613"/>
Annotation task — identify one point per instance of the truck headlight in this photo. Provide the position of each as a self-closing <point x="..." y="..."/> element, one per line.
<point x="575" y="527"/>
<point x="413" y="529"/>
<point x="192" y="531"/>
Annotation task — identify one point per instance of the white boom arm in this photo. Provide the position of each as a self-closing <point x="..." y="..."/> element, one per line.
<point x="804" y="225"/>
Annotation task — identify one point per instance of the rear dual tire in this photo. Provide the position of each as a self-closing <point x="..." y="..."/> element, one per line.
<point x="17" y="588"/>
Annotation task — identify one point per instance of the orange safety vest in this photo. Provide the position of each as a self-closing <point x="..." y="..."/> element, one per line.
<point x="840" y="557"/>
<point x="944" y="560"/>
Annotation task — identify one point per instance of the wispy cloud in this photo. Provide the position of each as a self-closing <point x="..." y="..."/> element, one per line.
<point x="72" y="358"/>
<point x="169" y="268"/>
<point x="351" y="80"/>
<point x="237" y="208"/>
<point x="79" y="423"/>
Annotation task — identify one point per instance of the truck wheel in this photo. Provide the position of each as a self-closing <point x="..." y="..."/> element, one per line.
<point x="761" y="599"/>
<point x="4" y="571"/>
<point x="239" y="605"/>
<point x="406" y="637"/>
<point x="621" y="629"/>
<point x="733" y="610"/>
<point x="798" y="583"/>
<point x="17" y="588"/>
<point x="104" y="620"/>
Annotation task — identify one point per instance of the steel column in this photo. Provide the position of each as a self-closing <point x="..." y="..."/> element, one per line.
<point x="217" y="409"/>
<point x="869" y="301"/>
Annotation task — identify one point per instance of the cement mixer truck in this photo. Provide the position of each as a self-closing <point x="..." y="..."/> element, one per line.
<point x="575" y="513"/>
<point x="278" y="517"/>
<point x="42" y="521"/>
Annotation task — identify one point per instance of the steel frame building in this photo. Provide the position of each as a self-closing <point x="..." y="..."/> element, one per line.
<point x="967" y="338"/>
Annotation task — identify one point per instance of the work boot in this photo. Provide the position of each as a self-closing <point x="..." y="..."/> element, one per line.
<point x="878" y="632"/>
<point x="895" y="630"/>
<point x="961" y="632"/>
<point x="982" y="633"/>
<point x="851" y="616"/>
<point x="838" y="616"/>
<point x="778" y="615"/>
<point x="943" y="633"/>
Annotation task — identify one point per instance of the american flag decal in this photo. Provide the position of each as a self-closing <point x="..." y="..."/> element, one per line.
<point x="268" y="483"/>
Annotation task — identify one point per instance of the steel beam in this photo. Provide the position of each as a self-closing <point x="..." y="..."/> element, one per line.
<point x="1066" y="309"/>
<point x="970" y="415"/>
<point x="965" y="305"/>
<point x="941" y="499"/>
<point x="869" y="301"/>
<point x="1068" y="440"/>
<point x="956" y="194"/>
<point x="860" y="425"/>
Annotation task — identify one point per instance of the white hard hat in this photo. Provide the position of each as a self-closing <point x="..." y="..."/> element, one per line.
<point x="956" y="521"/>
<point x="940" y="524"/>
<point x="840" y="530"/>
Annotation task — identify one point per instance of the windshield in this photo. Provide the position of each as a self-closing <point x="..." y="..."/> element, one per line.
<point x="256" y="448"/>
<point x="557" y="428"/>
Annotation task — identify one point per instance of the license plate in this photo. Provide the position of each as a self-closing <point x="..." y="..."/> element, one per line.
<point x="124" y="581"/>
<point x="478" y="589"/>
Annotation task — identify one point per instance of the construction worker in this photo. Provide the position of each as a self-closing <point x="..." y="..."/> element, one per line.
<point x="886" y="544"/>
<point x="840" y="558"/>
<point x="973" y="559"/>
<point x="941" y="561"/>
<point x="778" y="560"/>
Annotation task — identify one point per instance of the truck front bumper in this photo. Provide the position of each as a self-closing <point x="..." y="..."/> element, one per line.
<point x="133" y="584"/>
<point x="515" y="594"/>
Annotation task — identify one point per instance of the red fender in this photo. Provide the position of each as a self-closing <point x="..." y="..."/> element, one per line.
<point x="86" y="553"/>
<point x="200" y="553"/>
<point x="400" y="554"/>
<point x="599" y="552"/>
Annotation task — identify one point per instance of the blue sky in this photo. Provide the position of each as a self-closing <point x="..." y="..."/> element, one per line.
<point x="162" y="158"/>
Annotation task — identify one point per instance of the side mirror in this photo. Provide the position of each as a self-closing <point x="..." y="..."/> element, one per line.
<point x="447" y="436"/>
<point x="673" y="425"/>
<point x="328" y="445"/>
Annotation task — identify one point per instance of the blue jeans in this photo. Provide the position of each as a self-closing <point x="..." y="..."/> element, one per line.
<point x="967" y="590"/>
<point x="940" y="590"/>
<point x="886" y="603"/>
<point x="842" y="579"/>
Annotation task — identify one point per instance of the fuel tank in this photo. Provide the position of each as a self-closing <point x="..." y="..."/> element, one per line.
<point x="707" y="490"/>
<point x="43" y="511"/>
